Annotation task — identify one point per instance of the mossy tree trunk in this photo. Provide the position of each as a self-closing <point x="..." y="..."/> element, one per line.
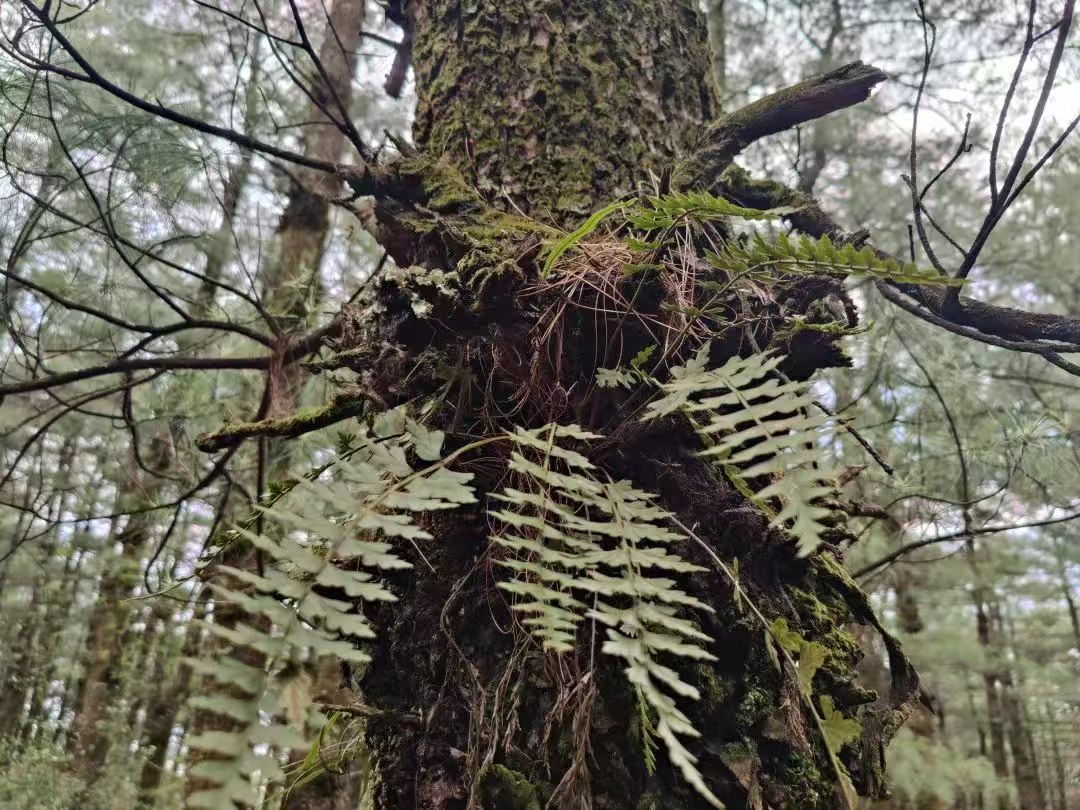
<point x="532" y="115"/>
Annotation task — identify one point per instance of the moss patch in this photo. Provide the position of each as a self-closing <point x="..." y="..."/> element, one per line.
<point x="504" y="789"/>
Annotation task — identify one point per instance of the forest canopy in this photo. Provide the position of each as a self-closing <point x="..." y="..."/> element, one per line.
<point x="492" y="405"/>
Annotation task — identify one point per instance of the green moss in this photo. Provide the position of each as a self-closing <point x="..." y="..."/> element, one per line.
<point x="756" y="705"/>
<point x="811" y="786"/>
<point x="715" y="691"/>
<point x="296" y="424"/>
<point x="737" y="751"/>
<point x="445" y="189"/>
<point x="504" y="789"/>
<point x="824" y="618"/>
<point x="517" y="96"/>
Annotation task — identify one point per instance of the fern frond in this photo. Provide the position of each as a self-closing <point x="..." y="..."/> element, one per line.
<point x="658" y="213"/>
<point x="761" y="425"/>
<point x="567" y="242"/>
<point x="589" y="548"/>
<point x="368" y="499"/>
<point x="807" y="256"/>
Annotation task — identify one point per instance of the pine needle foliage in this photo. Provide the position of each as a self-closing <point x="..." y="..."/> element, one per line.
<point x="582" y="547"/>
<point x="761" y="425"/>
<point x="336" y="539"/>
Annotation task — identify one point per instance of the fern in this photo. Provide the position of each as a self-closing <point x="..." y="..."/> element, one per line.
<point x="567" y="242"/>
<point x="659" y="213"/>
<point x="368" y="501"/>
<point x="761" y="426"/>
<point x="579" y="546"/>
<point x="584" y="547"/>
<point x="807" y="256"/>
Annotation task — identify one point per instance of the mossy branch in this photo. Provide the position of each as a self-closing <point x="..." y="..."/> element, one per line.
<point x="785" y="109"/>
<point x="288" y="427"/>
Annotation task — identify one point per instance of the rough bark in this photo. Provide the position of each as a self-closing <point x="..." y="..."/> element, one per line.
<point x="717" y="18"/>
<point x="554" y="108"/>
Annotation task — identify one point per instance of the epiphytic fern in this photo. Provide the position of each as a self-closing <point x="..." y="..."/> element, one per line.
<point x="658" y="213"/>
<point x="305" y="601"/>
<point x="817" y="257"/>
<point x="758" y="425"/>
<point x="583" y="547"/>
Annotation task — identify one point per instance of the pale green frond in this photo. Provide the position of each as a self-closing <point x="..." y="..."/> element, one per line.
<point x="658" y="213"/>
<point x="357" y="584"/>
<point x="371" y="553"/>
<point x="338" y="530"/>
<point x="243" y="710"/>
<point x="229" y="672"/>
<point x="426" y="443"/>
<point x="534" y="439"/>
<point x="838" y="730"/>
<point x="761" y="425"/>
<point x="616" y="378"/>
<point x="579" y="541"/>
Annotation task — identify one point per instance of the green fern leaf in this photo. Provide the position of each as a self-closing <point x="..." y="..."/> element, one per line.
<point x="576" y="541"/>
<point x="355" y="513"/>
<point x="763" y="427"/>
<point x="839" y="730"/>
<point x="658" y="213"/>
<point x="821" y="256"/>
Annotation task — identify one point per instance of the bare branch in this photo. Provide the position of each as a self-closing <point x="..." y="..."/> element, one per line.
<point x="90" y="75"/>
<point x="915" y="545"/>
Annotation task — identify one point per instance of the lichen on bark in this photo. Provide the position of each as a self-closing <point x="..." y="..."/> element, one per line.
<point x="553" y="108"/>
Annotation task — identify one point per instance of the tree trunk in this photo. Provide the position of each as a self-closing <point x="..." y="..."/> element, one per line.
<point x="1061" y="801"/>
<point x="1029" y="787"/>
<point x="553" y="110"/>
<point x="515" y="96"/>
<point x="21" y="677"/>
<point x="172" y="690"/>
<point x="995" y="717"/>
<point x="1067" y="591"/>
<point x="716" y="14"/>
<point x="109" y="624"/>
